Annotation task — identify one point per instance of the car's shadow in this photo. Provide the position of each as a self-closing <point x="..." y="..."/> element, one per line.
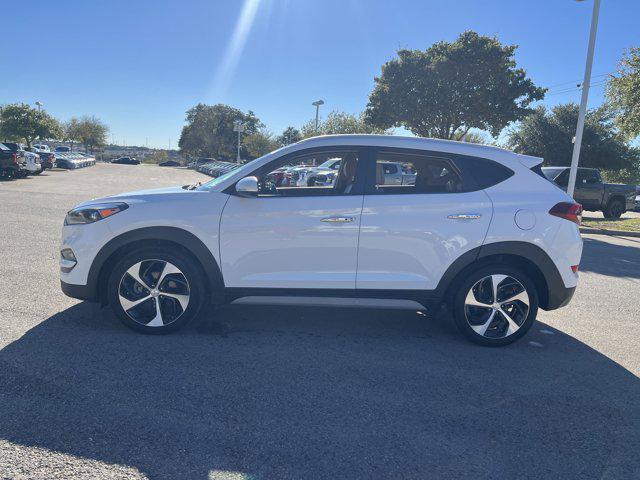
<point x="611" y="259"/>
<point x="283" y="392"/>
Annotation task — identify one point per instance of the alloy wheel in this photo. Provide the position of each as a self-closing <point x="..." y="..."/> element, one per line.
<point x="496" y="306"/>
<point x="154" y="293"/>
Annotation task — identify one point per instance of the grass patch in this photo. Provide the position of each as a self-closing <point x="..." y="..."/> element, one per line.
<point x="626" y="224"/>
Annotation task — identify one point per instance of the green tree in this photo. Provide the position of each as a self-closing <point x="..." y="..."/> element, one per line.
<point x="473" y="137"/>
<point x="92" y="132"/>
<point x="289" y="135"/>
<point x="22" y="122"/>
<point x="209" y="130"/>
<point x="71" y="131"/>
<point x="258" y="144"/>
<point x="449" y="88"/>
<point x="549" y="134"/>
<point x="623" y="93"/>
<point x="338" y="123"/>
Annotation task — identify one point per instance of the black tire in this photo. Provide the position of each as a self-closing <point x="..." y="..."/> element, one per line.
<point x="189" y="269"/>
<point x="492" y="335"/>
<point x="615" y="208"/>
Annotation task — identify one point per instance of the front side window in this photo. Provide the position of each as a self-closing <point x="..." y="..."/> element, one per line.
<point x="417" y="174"/>
<point x="318" y="173"/>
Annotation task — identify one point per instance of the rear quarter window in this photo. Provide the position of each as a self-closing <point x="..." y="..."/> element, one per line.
<point x="482" y="172"/>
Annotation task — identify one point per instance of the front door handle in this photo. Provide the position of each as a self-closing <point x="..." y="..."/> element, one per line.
<point x="337" y="219"/>
<point x="464" y="216"/>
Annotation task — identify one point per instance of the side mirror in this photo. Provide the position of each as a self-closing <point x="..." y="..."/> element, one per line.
<point x="247" y="187"/>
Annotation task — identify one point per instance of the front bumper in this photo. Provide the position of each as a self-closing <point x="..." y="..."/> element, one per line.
<point x="81" y="292"/>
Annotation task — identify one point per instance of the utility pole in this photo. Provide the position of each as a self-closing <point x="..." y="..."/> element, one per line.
<point x="585" y="97"/>
<point x="317" y="104"/>
<point x="238" y="126"/>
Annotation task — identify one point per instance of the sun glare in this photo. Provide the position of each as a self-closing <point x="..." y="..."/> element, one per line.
<point x="233" y="53"/>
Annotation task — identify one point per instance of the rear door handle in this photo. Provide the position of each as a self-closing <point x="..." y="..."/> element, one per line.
<point x="464" y="216"/>
<point x="337" y="219"/>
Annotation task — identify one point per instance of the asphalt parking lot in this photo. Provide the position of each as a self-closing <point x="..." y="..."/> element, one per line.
<point x="283" y="392"/>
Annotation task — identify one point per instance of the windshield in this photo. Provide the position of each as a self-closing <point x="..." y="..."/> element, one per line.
<point x="218" y="180"/>
<point x="244" y="169"/>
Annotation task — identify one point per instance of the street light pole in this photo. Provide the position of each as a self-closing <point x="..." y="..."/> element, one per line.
<point x="238" y="126"/>
<point x="585" y="96"/>
<point x="317" y="105"/>
<point x="39" y="104"/>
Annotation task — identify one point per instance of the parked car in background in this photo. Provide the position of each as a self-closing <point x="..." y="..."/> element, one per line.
<point x="47" y="159"/>
<point x="637" y="207"/>
<point x="32" y="163"/>
<point x="169" y="163"/>
<point x="479" y="229"/>
<point x="73" y="160"/>
<point x="126" y="161"/>
<point x="9" y="164"/>
<point x="216" y="168"/>
<point x="592" y="193"/>
<point x="29" y="162"/>
<point x="62" y="149"/>
<point x="200" y="161"/>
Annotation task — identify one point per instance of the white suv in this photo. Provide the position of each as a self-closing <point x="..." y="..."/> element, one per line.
<point x="479" y="229"/>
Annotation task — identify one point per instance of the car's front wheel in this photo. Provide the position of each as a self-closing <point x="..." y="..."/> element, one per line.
<point x="156" y="290"/>
<point x="495" y="305"/>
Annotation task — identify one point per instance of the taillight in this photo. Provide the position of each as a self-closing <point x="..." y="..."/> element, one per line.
<point x="568" y="211"/>
<point x="15" y="158"/>
<point x="574" y="268"/>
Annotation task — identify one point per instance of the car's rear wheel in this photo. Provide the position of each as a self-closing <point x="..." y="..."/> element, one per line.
<point x="615" y="209"/>
<point x="495" y="305"/>
<point x="156" y="290"/>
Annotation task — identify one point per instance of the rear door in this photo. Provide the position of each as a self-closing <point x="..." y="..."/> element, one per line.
<point x="410" y="233"/>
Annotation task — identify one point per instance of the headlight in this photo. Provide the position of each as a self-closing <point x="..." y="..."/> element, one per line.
<point x="93" y="213"/>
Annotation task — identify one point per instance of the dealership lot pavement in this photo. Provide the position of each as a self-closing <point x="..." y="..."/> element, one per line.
<point x="283" y="392"/>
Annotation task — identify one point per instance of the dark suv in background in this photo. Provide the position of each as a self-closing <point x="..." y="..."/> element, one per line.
<point x="612" y="199"/>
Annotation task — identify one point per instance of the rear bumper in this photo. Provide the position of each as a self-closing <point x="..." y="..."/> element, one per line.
<point x="559" y="297"/>
<point x="81" y="292"/>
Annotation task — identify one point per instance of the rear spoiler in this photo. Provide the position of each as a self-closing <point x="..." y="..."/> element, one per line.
<point x="529" y="161"/>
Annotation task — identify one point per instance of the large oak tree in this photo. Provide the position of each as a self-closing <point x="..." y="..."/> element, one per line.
<point x="451" y="87"/>
<point x="549" y="134"/>
<point x="209" y="130"/>
<point x="21" y="122"/>
<point x="623" y="93"/>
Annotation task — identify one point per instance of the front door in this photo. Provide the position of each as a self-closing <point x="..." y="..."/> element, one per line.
<point x="295" y="233"/>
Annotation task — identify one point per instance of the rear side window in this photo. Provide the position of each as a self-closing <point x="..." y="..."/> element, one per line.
<point x="588" y="177"/>
<point x="484" y="172"/>
<point x="399" y="173"/>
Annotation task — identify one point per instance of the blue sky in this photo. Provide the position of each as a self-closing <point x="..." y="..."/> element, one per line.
<point x="139" y="65"/>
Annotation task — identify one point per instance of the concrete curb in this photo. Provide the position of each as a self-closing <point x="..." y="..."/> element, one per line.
<point x="616" y="233"/>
